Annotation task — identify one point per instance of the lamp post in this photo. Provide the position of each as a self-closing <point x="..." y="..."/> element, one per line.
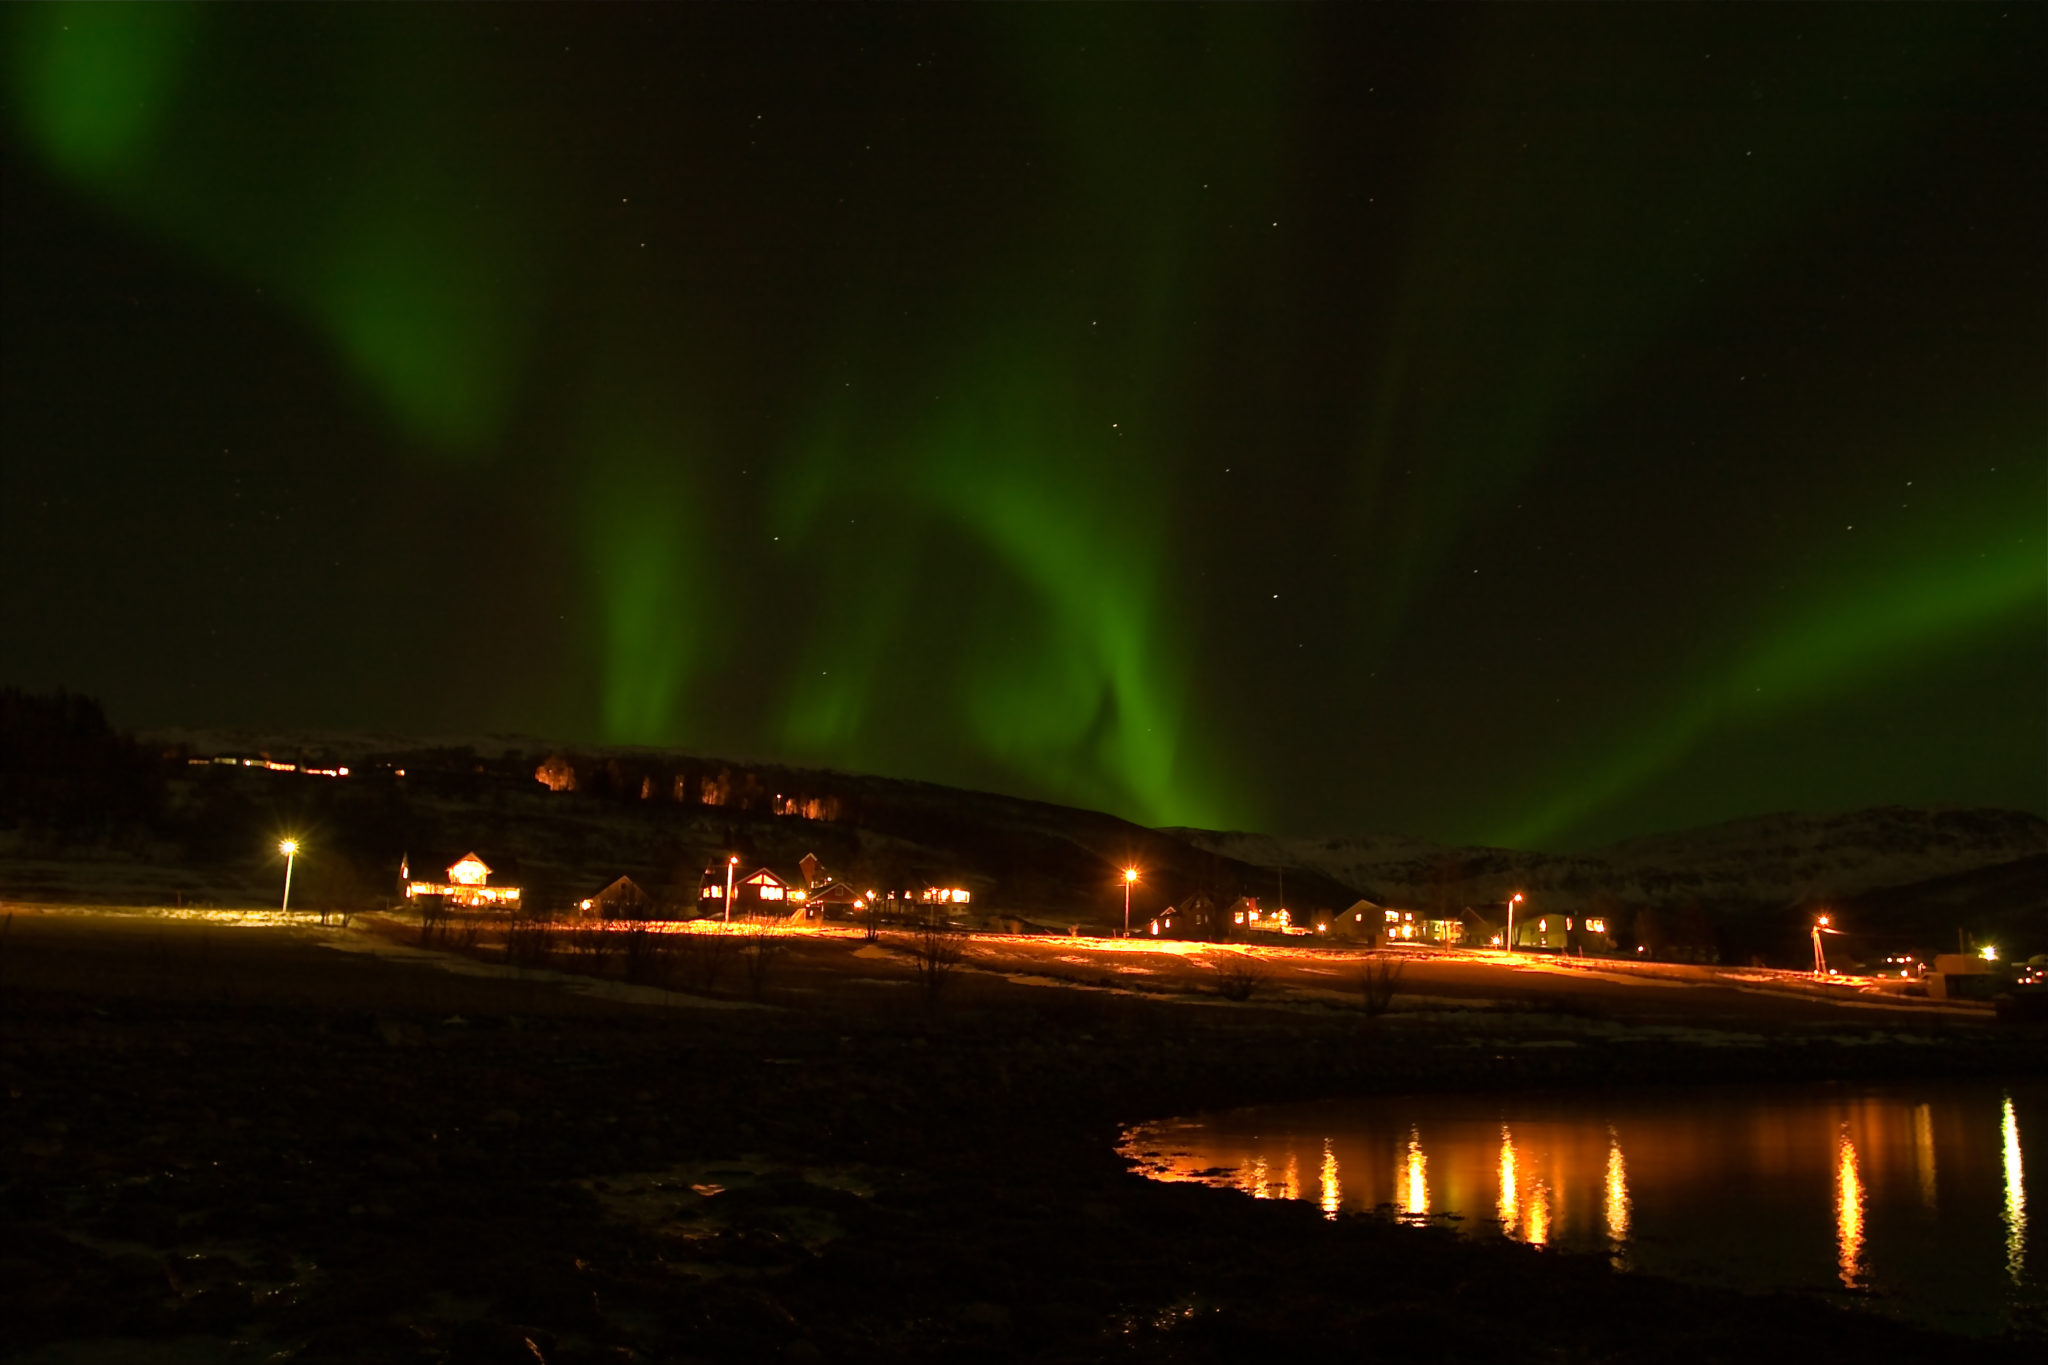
<point x="1820" y="959"/>
<point x="1508" y="942"/>
<point x="1130" y="876"/>
<point x="290" y="849"/>
<point x="732" y="861"/>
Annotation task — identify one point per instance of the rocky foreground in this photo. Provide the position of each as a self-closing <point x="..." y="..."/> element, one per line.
<point x="243" y="1147"/>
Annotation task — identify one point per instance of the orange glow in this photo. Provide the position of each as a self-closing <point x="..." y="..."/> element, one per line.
<point x="469" y="872"/>
<point x="1848" y="1214"/>
<point x="1617" y="1191"/>
<point x="2015" y="1196"/>
<point x="1510" y="1201"/>
<point x="1333" y="1192"/>
<point x="1130" y="874"/>
<point x="288" y="847"/>
<point x="1823" y="921"/>
<point x="1415" y="1185"/>
<point x="1291" y="1187"/>
<point x="1536" y="1230"/>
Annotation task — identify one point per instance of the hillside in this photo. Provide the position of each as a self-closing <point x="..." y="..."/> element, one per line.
<point x="564" y="822"/>
<point x="1913" y="870"/>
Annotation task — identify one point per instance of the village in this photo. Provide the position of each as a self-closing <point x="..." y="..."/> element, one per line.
<point x="730" y="892"/>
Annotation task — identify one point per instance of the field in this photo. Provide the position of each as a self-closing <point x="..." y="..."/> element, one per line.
<point x="237" y="1140"/>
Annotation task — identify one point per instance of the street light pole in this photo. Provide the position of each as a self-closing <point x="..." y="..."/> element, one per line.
<point x="290" y="849"/>
<point x="1509" y="941"/>
<point x="1820" y="958"/>
<point x="1130" y="875"/>
<point x="732" y="861"/>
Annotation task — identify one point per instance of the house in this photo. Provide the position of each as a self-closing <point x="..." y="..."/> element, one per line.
<point x="1419" y="926"/>
<point x="759" y="894"/>
<point x="623" y="899"/>
<point x="1541" y="931"/>
<point x="1360" y="922"/>
<point x="1195" y="917"/>
<point x="834" y="900"/>
<point x="468" y="886"/>
<point x="1247" y="917"/>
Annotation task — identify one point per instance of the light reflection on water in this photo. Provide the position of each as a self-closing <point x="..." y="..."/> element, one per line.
<point x="1906" y="1199"/>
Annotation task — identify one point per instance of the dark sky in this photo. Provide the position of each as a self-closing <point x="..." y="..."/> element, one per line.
<point x="1531" y="425"/>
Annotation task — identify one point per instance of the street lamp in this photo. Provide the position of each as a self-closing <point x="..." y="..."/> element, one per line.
<point x="290" y="849"/>
<point x="1130" y="876"/>
<point x="1513" y="901"/>
<point x="1820" y="959"/>
<point x="732" y="861"/>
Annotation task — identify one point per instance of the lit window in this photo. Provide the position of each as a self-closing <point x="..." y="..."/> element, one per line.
<point x="770" y="893"/>
<point x="1596" y="926"/>
<point x="469" y="872"/>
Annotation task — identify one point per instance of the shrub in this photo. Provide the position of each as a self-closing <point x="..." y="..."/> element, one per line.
<point x="648" y="959"/>
<point x="1379" y="980"/>
<point x="759" y="952"/>
<point x="936" y="948"/>
<point x="705" y="956"/>
<point x="1239" y="978"/>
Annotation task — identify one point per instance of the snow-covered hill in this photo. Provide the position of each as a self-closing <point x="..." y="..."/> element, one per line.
<point x="1771" y="860"/>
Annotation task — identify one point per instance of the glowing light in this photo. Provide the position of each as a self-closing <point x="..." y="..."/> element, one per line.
<point x="1596" y="926"/>
<point x="1130" y="874"/>
<point x="1536" y="1230"/>
<point x="1255" y="1180"/>
<point x="1989" y="953"/>
<point x="1848" y="1214"/>
<point x="1617" y="1192"/>
<point x="1333" y="1192"/>
<point x="1415" y="1199"/>
<point x="288" y="847"/>
<point x="1510" y="1200"/>
<point x="1923" y="1152"/>
<point x="469" y="872"/>
<point x="1290" y="1188"/>
<point x="2015" y="1198"/>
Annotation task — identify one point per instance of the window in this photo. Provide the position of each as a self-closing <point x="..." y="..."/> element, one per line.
<point x="1596" y="926"/>
<point x="768" y="892"/>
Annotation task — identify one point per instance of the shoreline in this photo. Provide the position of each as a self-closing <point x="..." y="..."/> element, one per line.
<point x="467" y="1163"/>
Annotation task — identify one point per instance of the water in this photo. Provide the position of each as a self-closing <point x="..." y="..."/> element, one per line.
<point x="1906" y="1199"/>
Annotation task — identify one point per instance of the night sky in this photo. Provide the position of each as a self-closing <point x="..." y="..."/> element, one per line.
<point x="1531" y="425"/>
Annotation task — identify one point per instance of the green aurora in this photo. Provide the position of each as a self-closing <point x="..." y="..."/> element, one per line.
<point x="1282" y="420"/>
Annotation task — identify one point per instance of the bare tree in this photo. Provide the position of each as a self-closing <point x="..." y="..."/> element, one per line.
<point x="936" y="948"/>
<point x="1379" y="979"/>
<point x="648" y="962"/>
<point x="758" y="953"/>
<point x="705" y="954"/>
<point x="1239" y="977"/>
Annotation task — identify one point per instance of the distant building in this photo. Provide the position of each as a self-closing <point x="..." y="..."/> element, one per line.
<point x="623" y="899"/>
<point x="755" y="895"/>
<point x="468" y="886"/>
<point x="1195" y="917"/>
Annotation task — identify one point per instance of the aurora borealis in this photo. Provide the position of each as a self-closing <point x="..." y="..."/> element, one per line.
<point x="1533" y="425"/>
